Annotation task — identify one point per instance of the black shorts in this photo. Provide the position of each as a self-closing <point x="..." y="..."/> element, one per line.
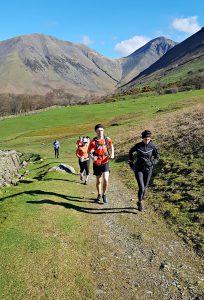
<point x="98" y="170"/>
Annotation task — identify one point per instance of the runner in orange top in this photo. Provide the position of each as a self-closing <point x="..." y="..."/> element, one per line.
<point x="82" y="154"/>
<point x="99" y="149"/>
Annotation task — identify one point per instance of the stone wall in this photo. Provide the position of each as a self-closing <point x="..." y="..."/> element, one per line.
<point x="9" y="167"/>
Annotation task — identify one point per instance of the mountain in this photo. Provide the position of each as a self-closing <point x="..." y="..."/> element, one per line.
<point x="185" y="57"/>
<point x="38" y="64"/>
<point x="144" y="57"/>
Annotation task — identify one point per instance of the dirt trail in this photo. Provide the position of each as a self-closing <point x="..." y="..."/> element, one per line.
<point x="137" y="256"/>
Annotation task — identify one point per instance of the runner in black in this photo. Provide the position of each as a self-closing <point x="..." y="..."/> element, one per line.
<point x="147" y="157"/>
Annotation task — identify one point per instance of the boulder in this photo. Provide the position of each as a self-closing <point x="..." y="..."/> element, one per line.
<point x="67" y="168"/>
<point x="63" y="168"/>
<point x="9" y="166"/>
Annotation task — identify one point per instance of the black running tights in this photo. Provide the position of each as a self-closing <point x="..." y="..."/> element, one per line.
<point x="143" y="179"/>
<point x="84" y="165"/>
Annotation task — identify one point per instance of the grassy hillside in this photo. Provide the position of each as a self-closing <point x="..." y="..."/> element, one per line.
<point x="185" y="57"/>
<point x="55" y="244"/>
<point x="173" y="75"/>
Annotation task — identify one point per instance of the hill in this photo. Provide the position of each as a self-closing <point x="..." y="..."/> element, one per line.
<point x="144" y="57"/>
<point x="38" y="64"/>
<point x="187" y="56"/>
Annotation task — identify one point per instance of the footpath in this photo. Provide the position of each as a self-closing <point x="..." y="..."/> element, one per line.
<point x="138" y="256"/>
<point x="57" y="243"/>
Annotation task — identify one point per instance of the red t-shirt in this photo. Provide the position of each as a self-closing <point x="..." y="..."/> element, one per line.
<point x="99" y="148"/>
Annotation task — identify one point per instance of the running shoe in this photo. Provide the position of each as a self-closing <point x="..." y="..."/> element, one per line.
<point x="98" y="198"/>
<point x="105" y="199"/>
<point x="139" y="206"/>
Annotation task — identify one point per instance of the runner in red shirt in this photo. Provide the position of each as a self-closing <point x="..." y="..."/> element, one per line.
<point x="99" y="149"/>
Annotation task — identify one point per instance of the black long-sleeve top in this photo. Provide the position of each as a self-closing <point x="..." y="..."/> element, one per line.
<point x="147" y="155"/>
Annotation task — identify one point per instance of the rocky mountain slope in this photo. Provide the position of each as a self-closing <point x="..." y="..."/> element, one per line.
<point x="144" y="57"/>
<point x="37" y="64"/>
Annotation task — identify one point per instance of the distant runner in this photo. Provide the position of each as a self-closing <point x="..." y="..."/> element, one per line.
<point x="56" y="145"/>
<point x="147" y="157"/>
<point x="82" y="154"/>
<point x="99" y="151"/>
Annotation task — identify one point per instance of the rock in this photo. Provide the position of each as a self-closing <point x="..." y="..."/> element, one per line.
<point x="24" y="164"/>
<point x="103" y="258"/>
<point x="149" y="292"/>
<point x="52" y="169"/>
<point x="14" y="181"/>
<point x="99" y="291"/>
<point x="67" y="168"/>
<point x="63" y="168"/>
<point x="9" y="167"/>
<point x="164" y="266"/>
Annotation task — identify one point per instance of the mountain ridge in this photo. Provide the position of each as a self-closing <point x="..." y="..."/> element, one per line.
<point x="188" y="50"/>
<point x="144" y="57"/>
<point x="38" y="63"/>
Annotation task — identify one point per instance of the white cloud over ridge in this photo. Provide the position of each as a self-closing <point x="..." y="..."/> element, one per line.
<point x="127" y="47"/>
<point x="188" y="25"/>
<point x="86" y="40"/>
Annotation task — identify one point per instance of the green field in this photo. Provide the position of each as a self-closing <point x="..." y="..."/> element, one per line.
<point x="26" y="133"/>
<point x="34" y="240"/>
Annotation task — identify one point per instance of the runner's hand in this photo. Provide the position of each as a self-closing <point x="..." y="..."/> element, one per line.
<point x="131" y="164"/>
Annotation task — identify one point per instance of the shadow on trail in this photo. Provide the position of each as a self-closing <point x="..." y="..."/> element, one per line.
<point x="41" y="176"/>
<point x="25" y="181"/>
<point x="40" y="192"/>
<point x="53" y="179"/>
<point x="46" y="165"/>
<point x="87" y="210"/>
<point x="90" y="210"/>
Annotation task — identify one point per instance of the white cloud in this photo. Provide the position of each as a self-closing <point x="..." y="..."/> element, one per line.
<point x="86" y="40"/>
<point x="127" y="47"/>
<point x="188" y="25"/>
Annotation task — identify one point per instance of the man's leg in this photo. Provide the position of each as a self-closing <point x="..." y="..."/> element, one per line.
<point x="98" y="184"/>
<point x="105" y="185"/>
<point x="105" y="181"/>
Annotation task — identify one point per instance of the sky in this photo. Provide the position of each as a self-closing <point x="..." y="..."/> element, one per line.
<point x="113" y="28"/>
